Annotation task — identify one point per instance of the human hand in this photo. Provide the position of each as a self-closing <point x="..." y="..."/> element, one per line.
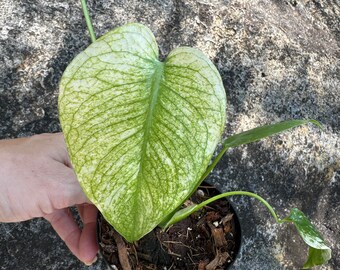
<point x="36" y="180"/>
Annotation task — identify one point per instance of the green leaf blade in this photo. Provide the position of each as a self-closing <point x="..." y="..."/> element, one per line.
<point x="263" y="132"/>
<point x="319" y="253"/>
<point x="139" y="136"/>
<point x="317" y="257"/>
<point x="254" y="135"/>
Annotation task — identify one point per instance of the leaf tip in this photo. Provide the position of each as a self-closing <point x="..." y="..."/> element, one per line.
<point x="317" y="123"/>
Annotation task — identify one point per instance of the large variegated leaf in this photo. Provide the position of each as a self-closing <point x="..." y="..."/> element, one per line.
<point x="140" y="132"/>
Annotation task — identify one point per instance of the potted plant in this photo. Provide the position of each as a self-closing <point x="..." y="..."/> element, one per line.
<point x="141" y="133"/>
<point x="208" y="239"/>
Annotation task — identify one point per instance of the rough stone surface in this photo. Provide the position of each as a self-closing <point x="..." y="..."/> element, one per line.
<point x="278" y="59"/>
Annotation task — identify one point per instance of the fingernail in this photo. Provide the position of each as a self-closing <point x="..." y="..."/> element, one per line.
<point x="93" y="261"/>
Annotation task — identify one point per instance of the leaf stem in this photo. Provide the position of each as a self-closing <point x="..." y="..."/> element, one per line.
<point x="213" y="164"/>
<point x="246" y="193"/>
<point x="88" y="20"/>
<point x="185" y="212"/>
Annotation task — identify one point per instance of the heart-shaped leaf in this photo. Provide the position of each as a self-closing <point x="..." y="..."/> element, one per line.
<point x="140" y="133"/>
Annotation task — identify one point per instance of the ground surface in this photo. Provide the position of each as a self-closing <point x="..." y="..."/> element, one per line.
<point x="278" y="59"/>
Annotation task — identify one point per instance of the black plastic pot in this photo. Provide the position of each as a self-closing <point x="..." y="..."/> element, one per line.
<point x="237" y="239"/>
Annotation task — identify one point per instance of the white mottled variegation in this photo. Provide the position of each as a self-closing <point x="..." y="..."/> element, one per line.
<point x="140" y="133"/>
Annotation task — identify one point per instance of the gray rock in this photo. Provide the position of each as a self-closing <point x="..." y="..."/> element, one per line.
<point x="278" y="60"/>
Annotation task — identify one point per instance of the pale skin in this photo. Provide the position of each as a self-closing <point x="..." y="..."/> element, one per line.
<point x="37" y="180"/>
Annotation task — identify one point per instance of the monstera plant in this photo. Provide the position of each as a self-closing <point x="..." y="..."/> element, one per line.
<point x="141" y="133"/>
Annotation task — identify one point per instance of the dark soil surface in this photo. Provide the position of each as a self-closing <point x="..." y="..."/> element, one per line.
<point x="209" y="239"/>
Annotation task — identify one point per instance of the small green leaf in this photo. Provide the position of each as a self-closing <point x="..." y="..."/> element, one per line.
<point x="140" y="132"/>
<point x="263" y="132"/>
<point x="317" y="257"/>
<point x="319" y="253"/>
